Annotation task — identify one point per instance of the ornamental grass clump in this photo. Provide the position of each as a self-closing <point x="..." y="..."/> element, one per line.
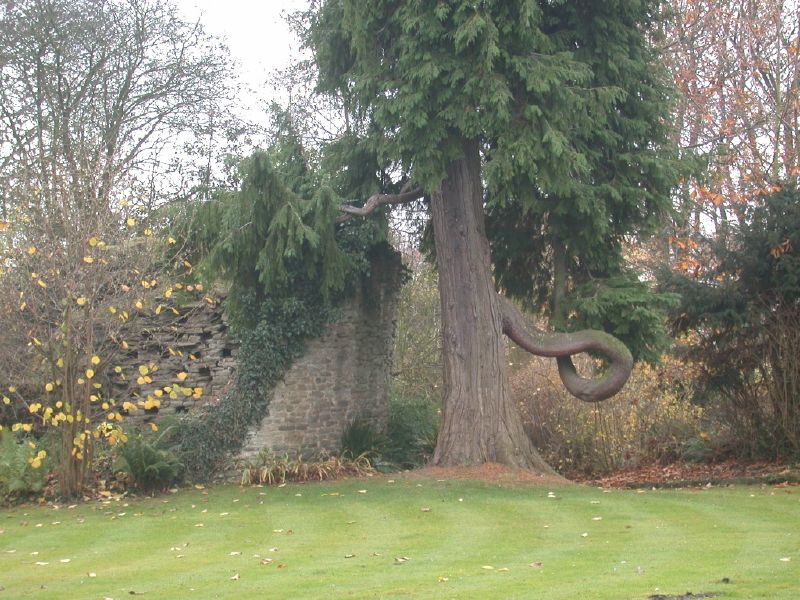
<point x="270" y="469"/>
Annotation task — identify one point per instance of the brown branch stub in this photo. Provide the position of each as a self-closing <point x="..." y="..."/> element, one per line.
<point x="375" y="201"/>
<point x="562" y="346"/>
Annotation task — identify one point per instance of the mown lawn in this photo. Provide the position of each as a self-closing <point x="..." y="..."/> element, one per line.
<point x="408" y="538"/>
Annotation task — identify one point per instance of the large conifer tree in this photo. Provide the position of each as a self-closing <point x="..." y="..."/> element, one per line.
<point x="545" y="114"/>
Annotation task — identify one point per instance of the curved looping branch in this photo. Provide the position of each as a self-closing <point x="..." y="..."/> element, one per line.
<point x="563" y="345"/>
<point x="377" y="200"/>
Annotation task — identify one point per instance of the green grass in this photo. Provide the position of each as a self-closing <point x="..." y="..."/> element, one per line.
<point x="637" y="544"/>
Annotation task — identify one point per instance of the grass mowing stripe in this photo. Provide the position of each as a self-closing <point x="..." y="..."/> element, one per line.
<point x="675" y="541"/>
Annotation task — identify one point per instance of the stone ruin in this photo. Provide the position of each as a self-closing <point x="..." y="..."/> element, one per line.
<point x="342" y="376"/>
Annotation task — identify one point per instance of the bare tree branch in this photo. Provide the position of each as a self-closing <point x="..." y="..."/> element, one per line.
<point x="563" y="345"/>
<point x="377" y="200"/>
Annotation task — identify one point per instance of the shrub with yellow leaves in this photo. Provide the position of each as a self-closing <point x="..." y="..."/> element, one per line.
<point x="70" y="302"/>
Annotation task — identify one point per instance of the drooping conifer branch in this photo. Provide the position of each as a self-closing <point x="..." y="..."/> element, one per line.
<point x="377" y="200"/>
<point x="563" y="345"/>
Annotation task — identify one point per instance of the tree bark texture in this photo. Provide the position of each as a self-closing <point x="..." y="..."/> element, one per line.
<point x="480" y="422"/>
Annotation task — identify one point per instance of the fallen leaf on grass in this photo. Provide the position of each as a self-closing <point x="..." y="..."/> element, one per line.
<point x="401" y="559"/>
<point x="266" y="561"/>
<point x="349" y="555"/>
<point x="597" y="518"/>
<point x="441" y="579"/>
<point x="425" y="509"/>
<point x="503" y="570"/>
<point x="65" y="560"/>
<point x="536" y="564"/>
<point x="235" y="553"/>
<point x="488" y="567"/>
<point x="282" y="565"/>
<point x="235" y="577"/>
<point x="42" y="563"/>
<point x="786" y="559"/>
<point x="91" y="575"/>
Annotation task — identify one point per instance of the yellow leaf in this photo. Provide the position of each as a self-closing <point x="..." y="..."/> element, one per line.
<point x="124" y="345"/>
<point x="112" y="310"/>
<point x="4" y="226"/>
<point x="158" y="309"/>
<point x="89" y="373"/>
<point x="104" y="406"/>
<point x="60" y="363"/>
<point x="81" y="301"/>
<point x="6" y="400"/>
<point x="95" y="360"/>
<point x="48" y="387"/>
<point x="168" y="293"/>
<point x="123" y="202"/>
<point x="182" y="376"/>
<point x="187" y="264"/>
<point x="171" y="241"/>
<point x="23" y="305"/>
<point x="11" y="389"/>
<point x="31" y="250"/>
<point x="130" y="221"/>
<point x="93" y="241"/>
<point x="139" y="304"/>
<point x="41" y="284"/>
<point x="118" y="369"/>
<point x="148" y="232"/>
<point x="153" y="426"/>
<point x="88" y="260"/>
<point x="143" y="370"/>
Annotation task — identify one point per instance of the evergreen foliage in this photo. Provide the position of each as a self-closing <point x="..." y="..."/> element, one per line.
<point x="743" y="309"/>
<point x="18" y="477"/>
<point x="151" y="467"/>
<point x="287" y="263"/>
<point x="568" y="102"/>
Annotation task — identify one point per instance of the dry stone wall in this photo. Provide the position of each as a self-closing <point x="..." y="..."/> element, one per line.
<point x="196" y="343"/>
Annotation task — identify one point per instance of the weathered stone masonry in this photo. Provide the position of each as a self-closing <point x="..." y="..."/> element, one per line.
<point x="343" y="375"/>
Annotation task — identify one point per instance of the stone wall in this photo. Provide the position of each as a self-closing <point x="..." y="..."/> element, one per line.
<point x="344" y="375"/>
<point x="196" y="343"/>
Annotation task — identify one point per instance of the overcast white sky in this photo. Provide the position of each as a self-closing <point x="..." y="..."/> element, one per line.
<point x="255" y="32"/>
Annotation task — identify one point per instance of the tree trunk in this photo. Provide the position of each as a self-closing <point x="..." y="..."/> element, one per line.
<point x="480" y="422"/>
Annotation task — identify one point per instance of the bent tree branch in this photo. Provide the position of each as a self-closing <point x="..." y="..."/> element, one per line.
<point x="377" y="200"/>
<point x="563" y="345"/>
<point x="560" y="346"/>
